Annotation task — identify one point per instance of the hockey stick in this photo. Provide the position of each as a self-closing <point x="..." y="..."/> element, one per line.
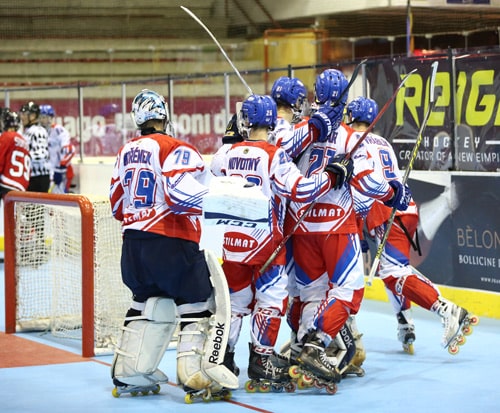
<point x="220" y="47"/>
<point x="348" y="155"/>
<point x="381" y="246"/>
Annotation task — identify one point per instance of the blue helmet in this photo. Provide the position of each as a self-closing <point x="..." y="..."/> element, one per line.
<point x="291" y="92"/>
<point x="330" y="86"/>
<point x="47" y="110"/>
<point x="362" y="109"/>
<point x="259" y="111"/>
<point x="148" y="105"/>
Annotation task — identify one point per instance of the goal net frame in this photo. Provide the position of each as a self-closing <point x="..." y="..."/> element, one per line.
<point x="88" y="234"/>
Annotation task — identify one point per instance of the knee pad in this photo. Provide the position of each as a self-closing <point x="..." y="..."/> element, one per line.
<point x="143" y="342"/>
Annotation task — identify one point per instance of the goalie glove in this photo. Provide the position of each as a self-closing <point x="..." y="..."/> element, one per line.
<point x="401" y="198"/>
<point x="325" y="121"/>
<point x="340" y="171"/>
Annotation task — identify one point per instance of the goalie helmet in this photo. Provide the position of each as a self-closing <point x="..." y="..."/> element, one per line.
<point x="290" y="91"/>
<point x="47" y="110"/>
<point x="258" y="111"/>
<point x="362" y="109"/>
<point x="329" y="87"/>
<point x="10" y="120"/>
<point x="149" y="105"/>
<point x="31" y="108"/>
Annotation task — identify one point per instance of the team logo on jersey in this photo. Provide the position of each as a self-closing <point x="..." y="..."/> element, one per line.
<point x="237" y="242"/>
<point x="322" y="213"/>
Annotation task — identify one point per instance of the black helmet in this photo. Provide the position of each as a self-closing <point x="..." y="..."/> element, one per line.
<point x="10" y="119"/>
<point x="232" y="134"/>
<point x="31" y="107"/>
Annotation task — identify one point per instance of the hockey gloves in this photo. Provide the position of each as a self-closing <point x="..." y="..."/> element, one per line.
<point x="59" y="177"/>
<point x="325" y="121"/>
<point x="401" y="198"/>
<point x="365" y="247"/>
<point x="340" y="171"/>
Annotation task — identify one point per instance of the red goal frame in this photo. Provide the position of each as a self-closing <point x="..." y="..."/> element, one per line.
<point x="87" y="223"/>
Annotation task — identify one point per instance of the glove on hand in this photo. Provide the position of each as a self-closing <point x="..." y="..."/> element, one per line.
<point x="365" y="247"/>
<point x="401" y="198"/>
<point x="58" y="177"/>
<point x="340" y="171"/>
<point x="326" y="120"/>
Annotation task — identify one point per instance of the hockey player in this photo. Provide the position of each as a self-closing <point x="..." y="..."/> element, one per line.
<point x="37" y="138"/>
<point x="292" y="133"/>
<point x="61" y="151"/>
<point x="245" y="249"/>
<point x="327" y="238"/>
<point x="157" y="188"/>
<point x="292" y="130"/>
<point x="15" y="161"/>
<point x="402" y="283"/>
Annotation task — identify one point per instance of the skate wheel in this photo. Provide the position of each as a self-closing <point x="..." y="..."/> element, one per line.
<point x="145" y="392"/>
<point x="331" y="388"/>
<point x="409" y="349"/>
<point x="227" y="395"/>
<point x="290" y="387"/>
<point x="467" y="330"/>
<point x="156" y="390"/>
<point x="453" y="349"/>
<point x="115" y="392"/>
<point x="294" y="372"/>
<point x="474" y="320"/>
<point x="134" y="393"/>
<point x="249" y="387"/>
<point x="318" y="384"/>
<point x="277" y="388"/>
<point x="461" y="340"/>
<point x="307" y="380"/>
<point x="206" y="397"/>
<point x="301" y="385"/>
<point x="264" y="388"/>
<point x="188" y="398"/>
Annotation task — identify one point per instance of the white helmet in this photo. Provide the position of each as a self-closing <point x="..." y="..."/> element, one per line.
<point x="148" y="105"/>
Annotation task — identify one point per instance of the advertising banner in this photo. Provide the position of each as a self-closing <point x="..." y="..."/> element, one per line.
<point x="463" y="129"/>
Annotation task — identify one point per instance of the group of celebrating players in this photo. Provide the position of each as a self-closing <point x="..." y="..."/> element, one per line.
<point x="323" y="186"/>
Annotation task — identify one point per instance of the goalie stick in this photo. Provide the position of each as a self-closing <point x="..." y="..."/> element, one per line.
<point x="432" y="104"/>
<point x="196" y="18"/>
<point x="348" y="156"/>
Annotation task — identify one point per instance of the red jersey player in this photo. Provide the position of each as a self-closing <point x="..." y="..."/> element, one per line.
<point x="15" y="161"/>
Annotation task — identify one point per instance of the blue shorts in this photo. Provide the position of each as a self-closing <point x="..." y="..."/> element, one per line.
<point x="153" y="265"/>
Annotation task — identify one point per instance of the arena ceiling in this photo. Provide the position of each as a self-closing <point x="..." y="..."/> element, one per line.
<point x="228" y="19"/>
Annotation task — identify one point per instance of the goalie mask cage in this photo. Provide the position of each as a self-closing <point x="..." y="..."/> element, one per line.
<point x="62" y="268"/>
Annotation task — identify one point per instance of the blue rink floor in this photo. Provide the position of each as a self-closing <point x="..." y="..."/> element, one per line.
<point x="429" y="381"/>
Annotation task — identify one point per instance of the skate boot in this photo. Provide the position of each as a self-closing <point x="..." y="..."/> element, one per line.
<point x="406" y="331"/>
<point x="315" y="368"/>
<point x="142" y="385"/>
<point x="230" y="363"/>
<point x="268" y="372"/>
<point x="457" y="323"/>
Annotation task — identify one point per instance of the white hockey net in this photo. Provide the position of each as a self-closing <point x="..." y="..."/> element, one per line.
<point x="51" y="250"/>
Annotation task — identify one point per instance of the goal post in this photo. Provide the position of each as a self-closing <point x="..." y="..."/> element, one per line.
<point x="62" y="268"/>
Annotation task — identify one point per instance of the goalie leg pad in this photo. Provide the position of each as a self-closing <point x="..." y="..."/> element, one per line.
<point x="215" y="345"/>
<point x="143" y="343"/>
<point x="190" y="349"/>
<point x="347" y="348"/>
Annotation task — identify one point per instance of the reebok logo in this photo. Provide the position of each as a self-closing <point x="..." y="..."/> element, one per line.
<point x="217" y="343"/>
